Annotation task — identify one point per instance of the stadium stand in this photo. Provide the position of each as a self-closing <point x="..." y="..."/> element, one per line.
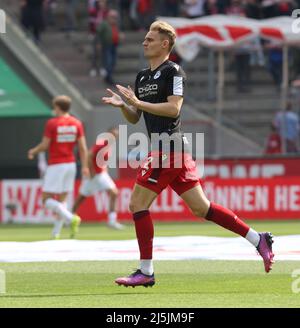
<point x="247" y="115"/>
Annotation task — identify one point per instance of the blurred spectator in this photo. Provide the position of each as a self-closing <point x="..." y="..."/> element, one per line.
<point x="287" y="123"/>
<point x="211" y="7"/>
<point x="125" y="14"/>
<point x="144" y="13"/>
<point x="295" y="52"/>
<point x="236" y="8"/>
<point x="285" y="7"/>
<point x="242" y="65"/>
<point x="32" y="17"/>
<point x="109" y="37"/>
<point x="71" y="15"/>
<point x="170" y="8"/>
<point x="193" y="8"/>
<point x="50" y="7"/>
<point x="253" y="9"/>
<point x="223" y="5"/>
<point x="242" y="52"/>
<point x="257" y="56"/>
<point x="269" y="8"/>
<point x="275" y="58"/>
<point x="272" y="8"/>
<point x="273" y="142"/>
<point x="141" y="13"/>
<point x="98" y="11"/>
<point x="295" y="93"/>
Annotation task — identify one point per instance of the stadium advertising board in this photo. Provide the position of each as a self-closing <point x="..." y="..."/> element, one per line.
<point x="253" y="168"/>
<point x="20" y="200"/>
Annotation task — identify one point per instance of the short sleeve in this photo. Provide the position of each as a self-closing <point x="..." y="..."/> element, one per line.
<point x="48" y="132"/>
<point x="175" y="81"/>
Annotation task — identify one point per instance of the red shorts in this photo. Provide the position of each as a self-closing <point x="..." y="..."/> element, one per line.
<point x="178" y="171"/>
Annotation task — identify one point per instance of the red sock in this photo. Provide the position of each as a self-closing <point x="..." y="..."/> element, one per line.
<point x="227" y="219"/>
<point x="144" y="233"/>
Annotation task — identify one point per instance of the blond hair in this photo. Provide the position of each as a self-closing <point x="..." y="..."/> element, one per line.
<point x="166" y="30"/>
<point x="63" y="102"/>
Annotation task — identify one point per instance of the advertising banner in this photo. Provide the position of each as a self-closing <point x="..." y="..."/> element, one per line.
<point x="21" y="202"/>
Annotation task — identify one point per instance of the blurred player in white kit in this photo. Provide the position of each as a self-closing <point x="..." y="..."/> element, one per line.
<point x="100" y="180"/>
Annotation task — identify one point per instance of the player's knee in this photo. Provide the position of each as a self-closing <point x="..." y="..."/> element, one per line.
<point x="115" y="192"/>
<point x="135" y="207"/>
<point x="132" y="207"/>
<point x="199" y="212"/>
<point x="44" y="198"/>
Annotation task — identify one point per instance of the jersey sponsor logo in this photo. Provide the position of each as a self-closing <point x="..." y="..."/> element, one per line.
<point x="66" y="133"/>
<point x="178" y="86"/>
<point x="66" y="138"/>
<point x="148" y="90"/>
<point x="157" y="75"/>
<point x="67" y="129"/>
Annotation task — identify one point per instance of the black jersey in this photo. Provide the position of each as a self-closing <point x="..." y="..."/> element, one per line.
<point x="155" y="87"/>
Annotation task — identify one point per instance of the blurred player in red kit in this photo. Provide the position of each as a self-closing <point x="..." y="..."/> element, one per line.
<point x="100" y="180"/>
<point x="62" y="133"/>
<point x="158" y="95"/>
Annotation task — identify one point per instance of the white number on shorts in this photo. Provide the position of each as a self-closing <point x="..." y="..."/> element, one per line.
<point x="149" y="161"/>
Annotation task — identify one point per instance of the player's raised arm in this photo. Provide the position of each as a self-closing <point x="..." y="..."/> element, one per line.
<point x="42" y="146"/>
<point x="83" y="153"/>
<point x="131" y="113"/>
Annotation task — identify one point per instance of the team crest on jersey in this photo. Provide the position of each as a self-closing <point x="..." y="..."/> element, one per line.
<point x="157" y="75"/>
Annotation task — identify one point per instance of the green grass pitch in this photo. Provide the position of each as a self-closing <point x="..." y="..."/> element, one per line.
<point x="185" y="284"/>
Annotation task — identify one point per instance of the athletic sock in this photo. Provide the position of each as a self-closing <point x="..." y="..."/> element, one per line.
<point x="227" y="219"/>
<point x="59" y="209"/>
<point x="253" y="237"/>
<point x="146" y="266"/>
<point x="144" y="233"/>
<point x="58" y="223"/>
<point x="112" y="217"/>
